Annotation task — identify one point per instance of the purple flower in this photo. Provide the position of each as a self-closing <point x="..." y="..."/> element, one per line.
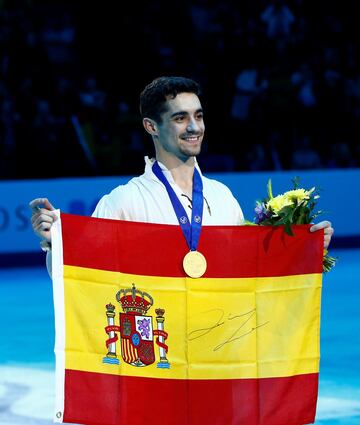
<point x="261" y="213"/>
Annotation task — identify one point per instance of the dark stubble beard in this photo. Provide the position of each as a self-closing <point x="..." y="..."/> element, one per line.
<point x="188" y="151"/>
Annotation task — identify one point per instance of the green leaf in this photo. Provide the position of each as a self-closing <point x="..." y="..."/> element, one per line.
<point x="249" y="223"/>
<point x="286" y="215"/>
<point x="269" y="189"/>
<point x="329" y="263"/>
<point x="296" y="182"/>
<point x="288" y="229"/>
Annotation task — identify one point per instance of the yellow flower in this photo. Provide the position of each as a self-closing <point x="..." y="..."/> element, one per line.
<point x="278" y="203"/>
<point x="298" y="195"/>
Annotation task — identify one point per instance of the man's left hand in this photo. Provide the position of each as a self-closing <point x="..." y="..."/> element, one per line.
<point x="328" y="231"/>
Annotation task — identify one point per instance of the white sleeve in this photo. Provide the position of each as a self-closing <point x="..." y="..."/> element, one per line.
<point x="103" y="209"/>
<point x="116" y="205"/>
<point x="239" y="216"/>
<point x="232" y="212"/>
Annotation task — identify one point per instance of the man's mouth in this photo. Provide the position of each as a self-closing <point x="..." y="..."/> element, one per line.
<point x="191" y="138"/>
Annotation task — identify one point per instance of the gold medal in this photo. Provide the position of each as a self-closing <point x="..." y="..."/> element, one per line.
<point x="194" y="264"/>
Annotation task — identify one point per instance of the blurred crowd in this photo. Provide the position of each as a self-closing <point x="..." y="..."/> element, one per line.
<point x="280" y="79"/>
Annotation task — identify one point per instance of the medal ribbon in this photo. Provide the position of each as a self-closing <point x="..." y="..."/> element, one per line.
<point x="191" y="230"/>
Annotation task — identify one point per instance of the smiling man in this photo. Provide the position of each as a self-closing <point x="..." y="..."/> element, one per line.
<point x="172" y="189"/>
<point x="173" y="116"/>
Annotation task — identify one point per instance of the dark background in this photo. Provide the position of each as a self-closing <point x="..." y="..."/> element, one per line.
<point x="280" y="79"/>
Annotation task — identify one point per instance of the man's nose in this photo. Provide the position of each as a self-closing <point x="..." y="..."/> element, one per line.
<point x="192" y="126"/>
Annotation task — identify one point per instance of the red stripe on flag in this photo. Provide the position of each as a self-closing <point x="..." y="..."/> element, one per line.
<point x="134" y="352"/>
<point x="90" y="398"/>
<point x="129" y="353"/>
<point x="229" y="250"/>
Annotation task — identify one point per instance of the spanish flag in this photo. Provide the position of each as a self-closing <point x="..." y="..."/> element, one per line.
<point x="138" y="342"/>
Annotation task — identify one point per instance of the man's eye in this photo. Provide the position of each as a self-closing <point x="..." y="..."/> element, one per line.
<point x="179" y="119"/>
<point x="200" y="116"/>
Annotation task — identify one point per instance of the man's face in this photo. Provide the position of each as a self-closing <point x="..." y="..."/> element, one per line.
<point x="182" y="128"/>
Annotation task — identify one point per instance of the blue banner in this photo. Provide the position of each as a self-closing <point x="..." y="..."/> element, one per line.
<point x="340" y="199"/>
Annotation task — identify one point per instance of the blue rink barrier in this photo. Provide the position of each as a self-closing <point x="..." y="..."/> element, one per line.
<point x="340" y="198"/>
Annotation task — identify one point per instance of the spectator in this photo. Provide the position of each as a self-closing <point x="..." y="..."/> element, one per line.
<point x="247" y="86"/>
<point x="272" y="71"/>
<point x="278" y="19"/>
<point x="304" y="156"/>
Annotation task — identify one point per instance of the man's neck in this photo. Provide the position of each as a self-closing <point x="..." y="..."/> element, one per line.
<point x="182" y="172"/>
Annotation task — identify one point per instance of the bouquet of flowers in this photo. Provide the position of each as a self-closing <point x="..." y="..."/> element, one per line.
<point x="293" y="207"/>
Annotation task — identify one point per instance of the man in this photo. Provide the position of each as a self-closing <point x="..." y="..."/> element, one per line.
<point x="173" y="116"/>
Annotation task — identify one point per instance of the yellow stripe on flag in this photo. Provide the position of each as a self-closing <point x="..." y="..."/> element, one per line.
<point x="212" y="324"/>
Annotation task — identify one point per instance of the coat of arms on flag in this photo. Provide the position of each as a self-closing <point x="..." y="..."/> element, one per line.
<point x="238" y="346"/>
<point x="136" y="330"/>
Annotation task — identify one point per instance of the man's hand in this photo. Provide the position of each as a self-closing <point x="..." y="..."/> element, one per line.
<point x="42" y="218"/>
<point x="328" y="231"/>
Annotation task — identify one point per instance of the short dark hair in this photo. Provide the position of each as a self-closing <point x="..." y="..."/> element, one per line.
<point x="155" y="94"/>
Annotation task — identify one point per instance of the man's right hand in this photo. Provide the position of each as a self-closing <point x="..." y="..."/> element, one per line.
<point x="42" y="218"/>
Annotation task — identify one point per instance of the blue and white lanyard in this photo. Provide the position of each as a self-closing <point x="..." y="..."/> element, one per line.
<point x="191" y="230"/>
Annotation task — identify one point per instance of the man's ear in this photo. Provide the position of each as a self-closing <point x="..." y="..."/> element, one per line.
<point x="150" y="126"/>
